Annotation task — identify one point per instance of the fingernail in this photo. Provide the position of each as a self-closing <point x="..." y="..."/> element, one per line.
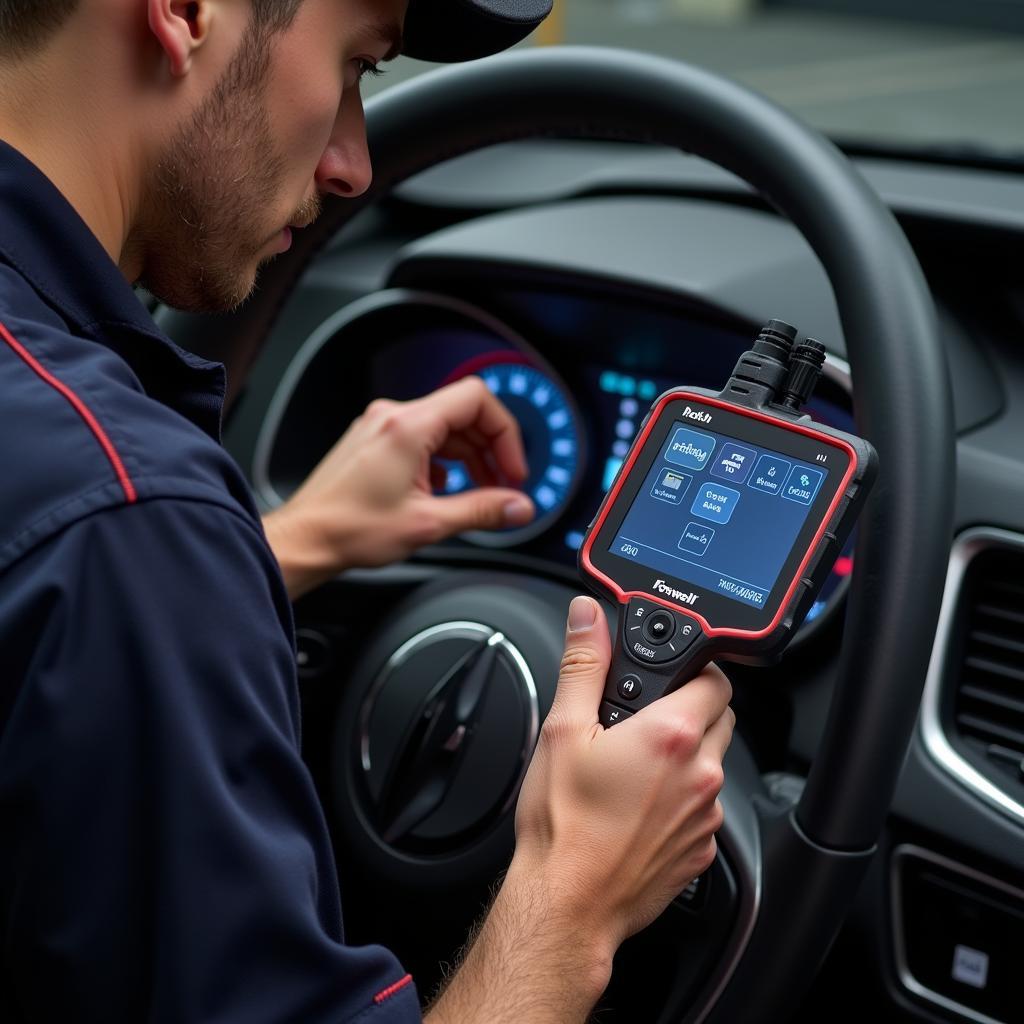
<point x="582" y="614"/>
<point x="518" y="512"/>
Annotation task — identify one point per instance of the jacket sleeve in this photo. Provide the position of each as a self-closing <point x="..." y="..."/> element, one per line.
<point x="164" y="855"/>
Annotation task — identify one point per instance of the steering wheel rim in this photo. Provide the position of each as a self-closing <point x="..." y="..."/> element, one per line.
<point x="902" y="405"/>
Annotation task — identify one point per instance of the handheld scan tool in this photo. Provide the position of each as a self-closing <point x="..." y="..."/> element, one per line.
<point x="723" y="522"/>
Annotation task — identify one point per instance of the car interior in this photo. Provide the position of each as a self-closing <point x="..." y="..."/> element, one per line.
<point x="585" y="228"/>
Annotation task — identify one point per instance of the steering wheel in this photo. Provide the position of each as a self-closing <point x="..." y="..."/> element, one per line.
<point x="794" y="864"/>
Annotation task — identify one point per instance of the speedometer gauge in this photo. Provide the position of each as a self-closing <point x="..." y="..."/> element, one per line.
<point x="403" y="344"/>
<point x="552" y="437"/>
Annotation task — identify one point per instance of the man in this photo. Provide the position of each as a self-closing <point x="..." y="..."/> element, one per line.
<point x="163" y="855"/>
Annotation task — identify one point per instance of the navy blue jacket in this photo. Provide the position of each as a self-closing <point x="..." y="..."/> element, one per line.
<point x="163" y="854"/>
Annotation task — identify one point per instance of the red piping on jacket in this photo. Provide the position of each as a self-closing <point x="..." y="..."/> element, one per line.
<point x="80" y="407"/>
<point x="391" y="989"/>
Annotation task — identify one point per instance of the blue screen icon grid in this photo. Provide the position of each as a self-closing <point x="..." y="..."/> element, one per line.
<point x="719" y="513"/>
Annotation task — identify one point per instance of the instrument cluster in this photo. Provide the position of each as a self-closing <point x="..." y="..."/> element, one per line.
<point x="578" y="370"/>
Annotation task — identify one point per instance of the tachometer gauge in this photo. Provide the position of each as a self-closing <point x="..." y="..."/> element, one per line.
<point x="552" y="437"/>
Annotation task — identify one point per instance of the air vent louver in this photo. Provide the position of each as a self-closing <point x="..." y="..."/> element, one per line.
<point x="988" y="705"/>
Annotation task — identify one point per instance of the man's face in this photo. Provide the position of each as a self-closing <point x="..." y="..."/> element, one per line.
<point x="283" y="126"/>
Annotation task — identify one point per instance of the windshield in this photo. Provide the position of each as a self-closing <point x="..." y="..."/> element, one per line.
<point x="942" y="78"/>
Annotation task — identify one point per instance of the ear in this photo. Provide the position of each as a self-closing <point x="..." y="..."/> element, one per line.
<point x="180" y="27"/>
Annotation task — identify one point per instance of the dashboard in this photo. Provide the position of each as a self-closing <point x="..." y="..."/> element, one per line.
<point x="580" y="280"/>
<point x="577" y="370"/>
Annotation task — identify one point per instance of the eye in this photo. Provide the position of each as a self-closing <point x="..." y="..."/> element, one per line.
<point x="368" y="67"/>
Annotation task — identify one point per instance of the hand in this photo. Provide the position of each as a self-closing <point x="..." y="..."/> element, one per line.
<point x="371" y="501"/>
<point x="610" y="826"/>
<point x="621" y="820"/>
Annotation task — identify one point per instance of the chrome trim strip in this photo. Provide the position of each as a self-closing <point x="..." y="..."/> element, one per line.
<point x="746" y="919"/>
<point x="966" y="548"/>
<point x="909" y="982"/>
<point x="837" y="369"/>
<point x="533" y="731"/>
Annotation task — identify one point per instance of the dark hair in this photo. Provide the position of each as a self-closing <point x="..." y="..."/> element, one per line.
<point x="272" y="15"/>
<point x="26" y="24"/>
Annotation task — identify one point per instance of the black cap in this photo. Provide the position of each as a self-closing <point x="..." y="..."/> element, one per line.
<point x="447" y="31"/>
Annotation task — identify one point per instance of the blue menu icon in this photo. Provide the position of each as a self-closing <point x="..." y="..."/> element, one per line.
<point x="690" y="448"/>
<point x="734" y="462"/>
<point x="715" y="502"/>
<point x="696" y="538"/>
<point x="802" y="484"/>
<point x="671" y="486"/>
<point x="769" y="474"/>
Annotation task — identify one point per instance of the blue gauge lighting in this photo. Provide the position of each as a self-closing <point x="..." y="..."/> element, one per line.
<point x="611" y="467"/>
<point x="550" y="435"/>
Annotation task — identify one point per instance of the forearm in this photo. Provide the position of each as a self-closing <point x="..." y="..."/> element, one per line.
<point x="534" y="959"/>
<point x="304" y="564"/>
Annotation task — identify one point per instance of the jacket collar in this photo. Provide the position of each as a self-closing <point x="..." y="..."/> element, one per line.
<point x="49" y="244"/>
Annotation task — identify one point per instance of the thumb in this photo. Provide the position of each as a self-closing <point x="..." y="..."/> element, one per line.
<point x="585" y="662"/>
<point x="484" y="508"/>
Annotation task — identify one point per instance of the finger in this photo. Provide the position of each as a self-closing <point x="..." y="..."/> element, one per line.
<point x="480" y="472"/>
<point x="473" y="437"/>
<point x="585" y="662"/>
<point x="438" y="477"/>
<point x="480" y="443"/>
<point x="483" y="508"/>
<point x="458" y="449"/>
<point x="706" y="697"/>
<point x="467" y="404"/>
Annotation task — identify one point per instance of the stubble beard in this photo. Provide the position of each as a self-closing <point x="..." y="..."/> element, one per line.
<point x="212" y="190"/>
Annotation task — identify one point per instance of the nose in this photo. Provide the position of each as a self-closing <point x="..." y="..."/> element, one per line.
<point x="344" y="168"/>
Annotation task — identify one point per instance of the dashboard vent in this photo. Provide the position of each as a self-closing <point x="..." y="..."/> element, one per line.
<point x="988" y="704"/>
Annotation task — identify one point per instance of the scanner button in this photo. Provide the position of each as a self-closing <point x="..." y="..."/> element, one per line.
<point x="658" y="627"/>
<point x="635" y="621"/>
<point x="638" y="609"/>
<point x="644" y="652"/>
<point x="610" y="714"/>
<point x="645" y="642"/>
<point x="686" y="633"/>
<point x="630" y="687"/>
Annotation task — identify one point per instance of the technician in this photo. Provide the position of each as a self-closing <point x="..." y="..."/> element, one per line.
<point x="163" y="855"/>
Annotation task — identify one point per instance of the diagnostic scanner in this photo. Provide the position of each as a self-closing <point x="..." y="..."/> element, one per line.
<point x="723" y="522"/>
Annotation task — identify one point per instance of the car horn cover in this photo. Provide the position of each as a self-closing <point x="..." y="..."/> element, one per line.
<point x="450" y="31"/>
